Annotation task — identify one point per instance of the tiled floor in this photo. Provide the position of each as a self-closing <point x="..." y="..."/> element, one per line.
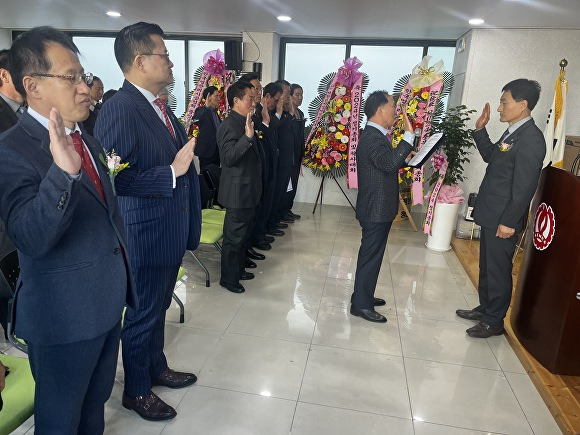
<point x="286" y="357"/>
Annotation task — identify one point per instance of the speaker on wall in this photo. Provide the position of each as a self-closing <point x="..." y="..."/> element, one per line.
<point x="233" y="54"/>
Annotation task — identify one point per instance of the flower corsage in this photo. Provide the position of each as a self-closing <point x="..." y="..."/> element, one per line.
<point x="112" y="162"/>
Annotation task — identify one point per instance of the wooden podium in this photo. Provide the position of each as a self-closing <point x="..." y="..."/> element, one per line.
<point x="546" y="309"/>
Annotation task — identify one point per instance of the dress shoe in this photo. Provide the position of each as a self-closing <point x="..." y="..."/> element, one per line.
<point x="246" y="276"/>
<point x="234" y="288"/>
<point x="483" y="330"/>
<point x="287" y="219"/>
<point x="275" y="232"/>
<point x="280" y="225"/>
<point x="377" y="302"/>
<point x="149" y="407"/>
<point x="172" y="379"/>
<point x="370" y="315"/>
<point x="250" y="264"/>
<point x="250" y="253"/>
<point x="269" y="239"/>
<point x="470" y="314"/>
<point x="263" y="246"/>
<point x="294" y="215"/>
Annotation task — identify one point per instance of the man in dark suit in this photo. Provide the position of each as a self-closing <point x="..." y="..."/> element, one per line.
<point x="60" y="210"/>
<point x="11" y="108"/>
<point x="240" y="183"/>
<point x="503" y="200"/>
<point x="160" y="199"/>
<point x="208" y="122"/>
<point x="377" y="202"/>
<point x="96" y="95"/>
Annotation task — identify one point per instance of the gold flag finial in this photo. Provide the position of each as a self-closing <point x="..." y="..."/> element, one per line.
<point x="563" y="64"/>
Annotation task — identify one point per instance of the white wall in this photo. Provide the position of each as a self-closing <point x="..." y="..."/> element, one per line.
<point x="5" y="38"/>
<point x="495" y="57"/>
<point x="265" y="50"/>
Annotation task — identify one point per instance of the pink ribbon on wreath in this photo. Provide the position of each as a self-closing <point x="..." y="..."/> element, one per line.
<point x="440" y="164"/>
<point x="349" y="73"/>
<point x="214" y="62"/>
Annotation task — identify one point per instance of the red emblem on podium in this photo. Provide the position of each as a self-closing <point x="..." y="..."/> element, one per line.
<point x="544" y="227"/>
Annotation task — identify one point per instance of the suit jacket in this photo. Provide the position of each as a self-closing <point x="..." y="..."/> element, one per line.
<point x="289" y="140"/>
<point x="89" y="123"/>
<point x="73" y="280"/>
<point x="241" y="179"/>
<point x="7" y="116"/>
<point x="161" y="221"/>
<point x="378" y="165"/>
<point x="511" y="177"/>
<point x="206" y="143"/>
<point x="268" y="143"/>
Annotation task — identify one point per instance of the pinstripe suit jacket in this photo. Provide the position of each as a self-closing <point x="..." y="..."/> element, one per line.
<point x="161" y="222"/>
<point x="73" y="280"/>
<point x="378" y="165"/>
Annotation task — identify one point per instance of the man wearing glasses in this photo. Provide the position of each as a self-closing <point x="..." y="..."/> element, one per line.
<point x="60" y="211"/>
<point x="160" y="201"/>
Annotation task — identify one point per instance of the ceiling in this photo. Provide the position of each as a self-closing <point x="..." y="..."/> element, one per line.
<point x="401" y="19"/>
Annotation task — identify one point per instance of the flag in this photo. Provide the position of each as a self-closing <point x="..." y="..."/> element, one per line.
<point x="555" y="132"/>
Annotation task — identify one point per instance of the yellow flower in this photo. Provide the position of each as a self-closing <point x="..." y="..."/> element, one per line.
<point x="416" y="89"/>
<point x="337" y="164"/>
<point x="347" y="106"/>
<point x="425" y="95"/>
<point x="412" y="103"/>
<point x="339" y="103"/>
<point x="341" y="127"/>
<point x="400" y="180"/>
<point x="411" y="109"/>
<point x="338" y="135"/>
<point x="409" y="173"/>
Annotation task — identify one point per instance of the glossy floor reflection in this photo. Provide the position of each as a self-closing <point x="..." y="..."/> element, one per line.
<point x="287" y="357"/>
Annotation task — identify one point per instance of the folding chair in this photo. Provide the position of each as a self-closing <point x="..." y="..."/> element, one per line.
<point x="18" y="396"/>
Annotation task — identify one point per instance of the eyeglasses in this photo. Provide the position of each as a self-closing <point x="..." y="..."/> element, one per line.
<point x="74" y="79"/>
<point x="165" y="55"/>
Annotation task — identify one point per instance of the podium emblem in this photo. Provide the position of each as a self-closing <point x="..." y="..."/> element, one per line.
<point x="544" y="227"/>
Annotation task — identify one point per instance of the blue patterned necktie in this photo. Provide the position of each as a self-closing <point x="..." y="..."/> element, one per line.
<point x="504" y="135"/>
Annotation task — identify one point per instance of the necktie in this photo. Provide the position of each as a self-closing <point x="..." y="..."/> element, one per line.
<point x="163" y="108"/>
<point x="504" y="135"/>
<point x="87" y="163"/>
<point x="20" y="111"/>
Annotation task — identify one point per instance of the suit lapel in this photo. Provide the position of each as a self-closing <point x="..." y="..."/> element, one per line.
<point x="103" y="172"/>
<point x="150" y="117"/>
<point x="7" y="113"/>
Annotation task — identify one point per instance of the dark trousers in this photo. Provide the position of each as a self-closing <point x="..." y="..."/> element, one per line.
<point x="370" y="257"/>
<point x="73" y="382"/>
<point x="282" y="178"/>
<point x="263" y="213"/>
<point x="206" y="161"/>
<point x="495" y="275"/>
<point x="237" y="225"/>
<point x="143" y="331"/>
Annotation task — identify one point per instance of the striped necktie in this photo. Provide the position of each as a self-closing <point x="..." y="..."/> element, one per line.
<point x="87" y="163"/>
<point x="163" y="108"/>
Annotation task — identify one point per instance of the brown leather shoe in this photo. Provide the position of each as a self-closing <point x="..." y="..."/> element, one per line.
<point x="172" y="379"/>
<point x="149" y="407"/>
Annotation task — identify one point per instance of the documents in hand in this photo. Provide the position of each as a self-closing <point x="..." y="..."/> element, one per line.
<point x="427" y="150"/>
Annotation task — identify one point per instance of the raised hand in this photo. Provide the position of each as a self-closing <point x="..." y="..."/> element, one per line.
<point x="61" y="145"/>
<point x="406" y="122"/>
<point x="484" y="118"/>
<point x="249" y="125"/>
<point x="265" y="115"/>
<point x="183" y="158"/>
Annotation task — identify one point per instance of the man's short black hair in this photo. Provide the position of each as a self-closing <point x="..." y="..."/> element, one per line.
<point x="108" y="94"/>
<point x="95" y="79"/>
<point x="28" y="53"/>
<point x="208" y="91"/>
<point x="272" y="89"/>
<point x="238" y="89"/>
<point x="374" y="101"/>
<point x="283" y="83"/>
<point x="248" y="77"/>
<point x="134" y="40"/>
<point x="524" y="89"/>
<point x="293" y="88"/>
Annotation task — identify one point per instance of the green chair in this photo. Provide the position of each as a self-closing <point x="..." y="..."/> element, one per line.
<point x="211" y="234"/>
<point x="18" y="396"/>
<point x="213" y="216"/>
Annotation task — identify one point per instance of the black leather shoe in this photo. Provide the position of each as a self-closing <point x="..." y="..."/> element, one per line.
<point x="294" y="215"/>
<point x="470" y="314"/>
<point x="172" y="379"/>
<point x="287" y="219"/>
<point x="263" y="246"/>
<point x="280" y="225"/>
<point x="234" y="288"/>
<point x="269" y="239"/>
<point x="250" y="253"/>
<point x="250" y="264"/>
<point x="370" y="315"/>
<point x="377" y="302"/>
<point x="246" y="276"/>
<point x="275" y="232"/>
<point x="149" y="407"/>
<point x="483" y="330"/>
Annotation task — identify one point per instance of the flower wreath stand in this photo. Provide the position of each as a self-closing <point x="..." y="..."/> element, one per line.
<point x="333" y="139"/>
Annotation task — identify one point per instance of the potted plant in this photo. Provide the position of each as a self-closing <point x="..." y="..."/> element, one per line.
<point x="447" y="173"/>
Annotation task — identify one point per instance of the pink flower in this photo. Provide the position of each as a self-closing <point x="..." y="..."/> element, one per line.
<point x="421" y="105"/>
<point x="324" y="162"/>
<point x="438" y="160"/>
<point x="420" y="113"/>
